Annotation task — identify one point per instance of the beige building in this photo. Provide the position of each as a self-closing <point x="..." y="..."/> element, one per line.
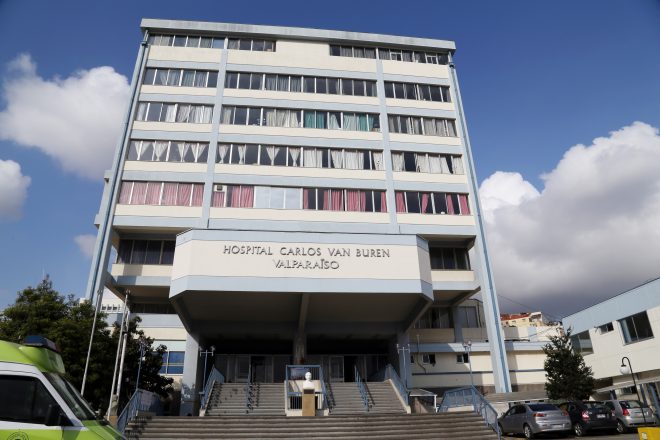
<point x="291" y="195"/>
<point x="524" y="319"/>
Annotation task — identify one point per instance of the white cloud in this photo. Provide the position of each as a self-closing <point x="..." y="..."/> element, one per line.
<point x="592" y="231"/>
<point x="86" y="243"/>
<point x="76" y="120"/>
<point x="13" y="190"/>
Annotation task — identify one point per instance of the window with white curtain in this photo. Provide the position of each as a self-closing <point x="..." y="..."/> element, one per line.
<point x="308" y="157"/>
<point x="283" y="117"/>
<point x="427" y="163"/>
<point x="422" y="125"/>
<point x="180" y="77"/>
<point x="174" y="112"/>
<point x="187" y="41"/>
<point x="393" y="54"/>
<point x="167" y="151"/>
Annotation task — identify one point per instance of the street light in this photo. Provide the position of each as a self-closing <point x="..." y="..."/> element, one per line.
<point x="627" y="369"/>
<point x="402" y="349"/>
<point x="467" y="346"/>
<point x="206" y="354"/>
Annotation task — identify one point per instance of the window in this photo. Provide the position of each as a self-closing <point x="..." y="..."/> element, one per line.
<point x="422" y="92"/>
<point x="27" y="400"/>
<point x="422" y="125"/>
<point x="581" y="343"/>
<point x="606" y="328"/>
<point x="167" y="151"/>
<point x="435" y="317"/>
<point x="171" y="112"/>
<point x="463" y="358"/>
<point x="295" y="83"/>
<point x="281" y="117"/>
<point x="427" y="163"/>
<point x="172" y="362"/>
<point x="180" y="78"/>
<point x="428" y="358"/>
<point x="468" y="317"/>
<point x="448" y="258"/>
<point x="636" y="328"/>
<point x="389" y="54"/>
<point x="145" y="251"/>
<point x="251" y="44"/>
<point x="413" y="202"/>
<point x="161" y="193"/>
<point x="187" y="41"/>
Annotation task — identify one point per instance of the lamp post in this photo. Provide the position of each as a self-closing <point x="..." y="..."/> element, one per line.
<point x="206" y="354"/>
<point x="467" y="346"/>
<point x="627" y="369"/>
<point x="403" y="349"/>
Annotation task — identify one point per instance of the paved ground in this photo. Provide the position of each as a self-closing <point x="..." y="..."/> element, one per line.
<point x="604" y="436"/>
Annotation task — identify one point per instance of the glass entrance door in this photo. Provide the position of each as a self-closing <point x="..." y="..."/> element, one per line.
<point x="242" y="368"/>
<point x="336" y="368"/>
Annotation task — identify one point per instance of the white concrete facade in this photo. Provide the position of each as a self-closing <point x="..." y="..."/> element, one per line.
<point x="282" y="184"/>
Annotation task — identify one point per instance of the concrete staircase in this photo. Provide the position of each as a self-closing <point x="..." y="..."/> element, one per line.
<point x="383" y="398"/>
<point x="443" y="426"/>
<point x="344" y="398"/>
<point x="228" y="399"/>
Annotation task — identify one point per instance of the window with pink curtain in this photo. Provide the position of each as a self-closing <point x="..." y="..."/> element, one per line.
<point x="218" y="199"/>
<point x="425" y="203"/>
<point x="450" y="204"/>
<point x="169" y="194"/>
<point x="198" y="194"/>
<point x="352" y="200"/>
<point x="400" y="202"/>
<point x="247" y="196"/>
<point x="306" y="196"/>
<point x="125" y="193"/>
<point x="139" y="193"/>
<point x="363" y="200"/>
<point x="327" y="197"/>
<point x="383" y="201"/>
<point x="337" y="199"/>
<point x="153" y="193"/>
<point x="463" y="202"/>
<point x="234" y="192"/>
<point x="183" y="193"/>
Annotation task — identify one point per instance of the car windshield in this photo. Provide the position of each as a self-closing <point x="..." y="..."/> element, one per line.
<point x="543" y="407"/>
<point x="628" y="404"/>
<point x="72" y="397"/>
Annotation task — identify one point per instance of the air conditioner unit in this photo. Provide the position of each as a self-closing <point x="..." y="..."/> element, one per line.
<point x="218" y="188"/>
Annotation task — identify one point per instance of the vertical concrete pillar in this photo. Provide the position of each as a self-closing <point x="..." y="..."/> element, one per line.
<point x="299" y="347"/>
<point x="189" y="382"/>
<point x="405" y="368"/>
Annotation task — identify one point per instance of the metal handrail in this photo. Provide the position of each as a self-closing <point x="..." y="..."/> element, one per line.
<point x="141" y="400"/>
<point x="470" y="396"/>
<point x="249" y="401"/>
<point x="325" y="403"/>
<point x="214" y="377"/>
<point x="361" y="388"/>
<point x="390" y="373"/>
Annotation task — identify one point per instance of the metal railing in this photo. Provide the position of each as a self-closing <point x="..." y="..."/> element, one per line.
<point x="470" y="396"/>
<point x="214" y="377"/>
<point x="249" y="396"/>
<point x="294" y="396"/>
<point x="361" y="387"/>
<point x="141" y="401"/>
<point x="390" y="373"/>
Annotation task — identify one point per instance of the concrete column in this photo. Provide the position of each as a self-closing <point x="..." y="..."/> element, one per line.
<point x="405" y="368"/>
<point x="299" y="347"/>
<point x="189" y="381"/>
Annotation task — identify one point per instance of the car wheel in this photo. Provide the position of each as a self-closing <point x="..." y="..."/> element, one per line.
<point x="620" y="427"/>
<point x="578" y="430"/>
<point x="528" y="432"/>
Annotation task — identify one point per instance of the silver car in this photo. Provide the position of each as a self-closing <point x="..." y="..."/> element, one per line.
<point x="534" y="418"/>
<point x="629" y="414"/>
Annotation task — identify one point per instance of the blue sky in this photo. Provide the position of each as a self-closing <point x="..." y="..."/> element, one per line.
<point x="537" y="78"/>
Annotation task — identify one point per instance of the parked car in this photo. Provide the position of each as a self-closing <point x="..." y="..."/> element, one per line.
<point x="628" y="414"/>
<point x="534" y="418"/>
<point x="589" y="415"/>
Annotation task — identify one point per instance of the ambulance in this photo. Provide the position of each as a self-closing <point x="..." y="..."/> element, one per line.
<point x="37" y="402"/>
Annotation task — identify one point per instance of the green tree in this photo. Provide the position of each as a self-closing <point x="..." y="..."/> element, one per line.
<point x="567" y="376"/>
<point x="66" y="321"/>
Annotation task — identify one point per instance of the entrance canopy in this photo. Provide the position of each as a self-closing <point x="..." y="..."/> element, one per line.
<point x="272" y="284"/>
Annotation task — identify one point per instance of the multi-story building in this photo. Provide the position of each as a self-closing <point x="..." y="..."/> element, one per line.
<point x="293" y="195"/>
<point x="523" y="319"/>
<point x="624" y="326"/>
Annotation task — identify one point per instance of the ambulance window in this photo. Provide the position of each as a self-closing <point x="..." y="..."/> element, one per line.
<point x="71" y="396"/>
<point x="27" y="400"/>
